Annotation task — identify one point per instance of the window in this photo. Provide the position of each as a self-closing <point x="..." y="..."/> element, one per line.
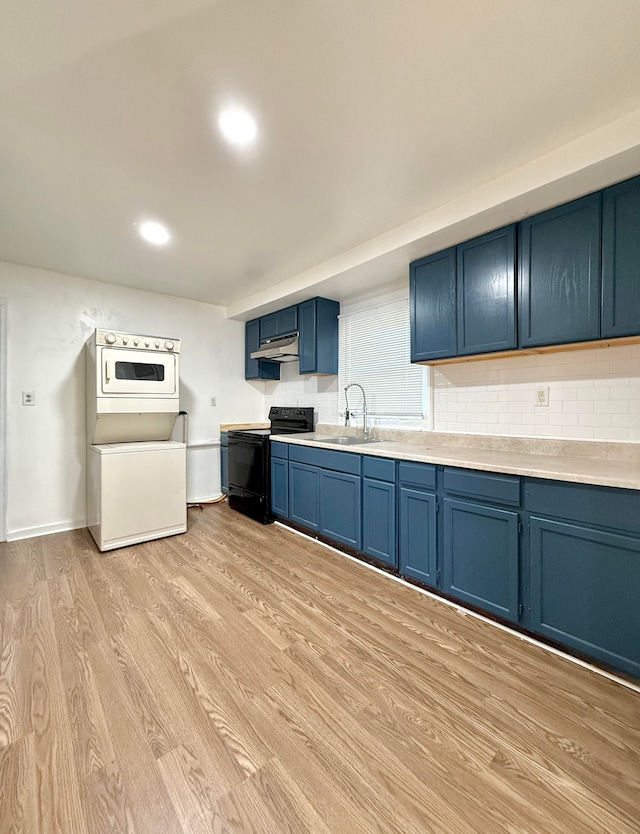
<point x="375" y="352"/>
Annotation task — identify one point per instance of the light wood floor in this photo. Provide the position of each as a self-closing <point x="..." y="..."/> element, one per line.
<point x="240" y="678"/>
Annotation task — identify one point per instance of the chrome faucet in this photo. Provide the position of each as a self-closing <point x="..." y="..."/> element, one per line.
<point x="348" y="414"/>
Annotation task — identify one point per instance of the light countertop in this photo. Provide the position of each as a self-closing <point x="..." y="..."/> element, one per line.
<point x="240" y="426"/>
<point x="557" y="460"/>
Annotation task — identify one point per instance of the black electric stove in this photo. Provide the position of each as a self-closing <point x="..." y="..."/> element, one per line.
<point x="250" y="461"/>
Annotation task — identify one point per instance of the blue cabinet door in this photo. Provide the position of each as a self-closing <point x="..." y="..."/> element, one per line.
<point x="584" y="590"/>
<point x="224" y="468"/>
<point x="432" y="293"/>
<point x="379" y="529"/>
<point x="480" y="550"/>
<point x="340" y="500"/>
<point x="280" y="323"/>
<point x="621" y="259"/>
<point x="304" y="494"/>
<point x="486" y="274"/>
<point x="280" y="487"/>
<point x="257" y="368"/>
<point x="418" y="554"/>
<point x="560" y="274"/>
<point x="318" y="343"/>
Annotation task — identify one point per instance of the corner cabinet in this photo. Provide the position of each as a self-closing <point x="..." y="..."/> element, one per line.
<point x="560" y="274"/>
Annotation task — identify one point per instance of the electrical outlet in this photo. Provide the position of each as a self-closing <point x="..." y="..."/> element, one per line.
<point x="542" y="395"/>
<point x="28" y="398"/>
<point x="214" y="401"/>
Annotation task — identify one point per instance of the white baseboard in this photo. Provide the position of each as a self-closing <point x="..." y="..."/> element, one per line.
<point x="44" y="530"/>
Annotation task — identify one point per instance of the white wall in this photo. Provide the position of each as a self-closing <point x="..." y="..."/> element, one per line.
<point x="50" y="316"/>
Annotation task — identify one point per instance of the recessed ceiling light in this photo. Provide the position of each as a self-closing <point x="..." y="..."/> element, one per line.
<point x="237" y="126"/>
<point x="154" y="232"/>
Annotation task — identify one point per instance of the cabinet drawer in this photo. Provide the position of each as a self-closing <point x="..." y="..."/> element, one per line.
<point x="600" y="506"/>
<point x="502" y="488"/>
<point x="338" y="461"/>
<point x="382" y="469"/>
<point x="417" y="474"/>
<point x="279" y="450"/>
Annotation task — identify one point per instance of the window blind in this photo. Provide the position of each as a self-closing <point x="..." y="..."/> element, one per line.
<point x="375" y="351"/>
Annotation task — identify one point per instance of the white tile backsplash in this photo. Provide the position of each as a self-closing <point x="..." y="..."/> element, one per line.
<point x="593" y="394"/>
<point x="317" y="392"/>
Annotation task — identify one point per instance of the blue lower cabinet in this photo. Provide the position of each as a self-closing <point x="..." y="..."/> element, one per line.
<point x="379" y="529"/>
<point x="340" y="499"/>
<point x="280" y="487"/>
<point x="481" y="560"/>
<point x="418" y="554"/>
<point x="584" y="590"/>
<point x="224" y="463"/>
<point x="304" y="494"/>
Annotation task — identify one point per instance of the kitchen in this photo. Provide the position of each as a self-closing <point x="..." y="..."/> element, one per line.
<point x="53" y="306"/>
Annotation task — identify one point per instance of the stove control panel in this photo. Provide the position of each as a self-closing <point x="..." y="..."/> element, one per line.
<point x="135" y="341"/>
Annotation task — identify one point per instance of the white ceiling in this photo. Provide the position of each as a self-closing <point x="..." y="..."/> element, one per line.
<point x="387" y="127"/>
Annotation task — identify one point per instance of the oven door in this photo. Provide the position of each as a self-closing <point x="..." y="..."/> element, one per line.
<point x="248" y="464"/>
<point x="137" y="373"/>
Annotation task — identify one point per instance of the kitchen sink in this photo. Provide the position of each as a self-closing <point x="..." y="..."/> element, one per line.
<point x="348" y="440"/>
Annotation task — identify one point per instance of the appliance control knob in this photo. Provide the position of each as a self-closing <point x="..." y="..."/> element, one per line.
<point x="157" y="344"/>
<point x="109" y="338"/>
<point x="146" y="344"/>
<point x="125" y="341"/>
<point x="136" y="342"/>
<point x="169" y="345"/>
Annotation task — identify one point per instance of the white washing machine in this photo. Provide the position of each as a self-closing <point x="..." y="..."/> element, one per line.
<point x="136" y="492"/>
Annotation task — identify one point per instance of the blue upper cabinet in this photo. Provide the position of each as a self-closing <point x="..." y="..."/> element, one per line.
<point x="486" y="275"/>
<point x="621" y="259"/>
<point x="318" y="344"/>
<point x="433" y="307"/>
<point x="280" y="323"/>
<point x="257" y="368"/>
<point x="560" y="274"/>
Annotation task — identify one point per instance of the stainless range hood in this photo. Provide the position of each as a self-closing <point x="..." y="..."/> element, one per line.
<point x="282" y="349"/>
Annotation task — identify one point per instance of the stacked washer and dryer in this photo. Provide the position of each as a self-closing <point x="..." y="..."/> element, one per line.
<point x="136" y="475"/>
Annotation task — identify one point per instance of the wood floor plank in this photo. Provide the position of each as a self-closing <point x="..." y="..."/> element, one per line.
<point x="241" y="678"/>
<point x="59" y="806"/>
<point x="142" y="786"/>
<point x="18" y="794"/>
